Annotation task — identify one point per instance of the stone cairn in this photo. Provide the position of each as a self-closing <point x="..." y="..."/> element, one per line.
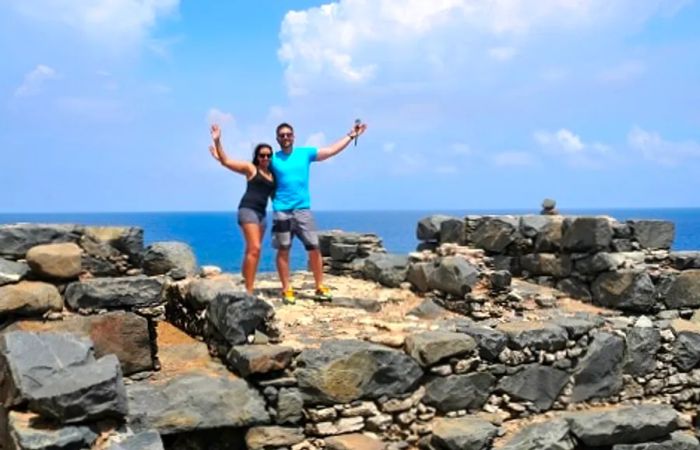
<point x="90" y="356"/>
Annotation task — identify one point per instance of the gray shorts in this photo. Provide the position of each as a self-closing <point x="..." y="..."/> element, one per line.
<point x="248" y="215"/>
<point x="296" y="222"/>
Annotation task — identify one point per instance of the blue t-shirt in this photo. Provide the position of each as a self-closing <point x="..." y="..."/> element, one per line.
<point x="291" y="173"/>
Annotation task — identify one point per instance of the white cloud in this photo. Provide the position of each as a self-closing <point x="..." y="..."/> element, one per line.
<point x="567" y="144"/>
<point x="222" y="118"/>
<point x="114" y="22"/>
<point x="34" y="81"/>
<point x="316" y="140"/>
<point x="654" y="148"/>
<point x="502" y="53"/>
<point x="518" y="159"/>
<point x="622" y="72"/>
<point x="562" y="141"/>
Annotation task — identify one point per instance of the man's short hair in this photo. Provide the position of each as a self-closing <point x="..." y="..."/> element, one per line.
<point x="283" y="125"/>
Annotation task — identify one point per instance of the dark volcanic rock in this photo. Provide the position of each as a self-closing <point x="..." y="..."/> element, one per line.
<point x="586" y="234"/>
<point x="258" y="359"/>
<point x="11" y="271"/>
<point x="491" y="342"/>
<point x="462" y="434"/>
<point x="419" y="275"/>
<point x="599" y="373"/>
<point x="685" y="260"/>
<point x="343" y="252"/>
<point x="290" y="406"/>
<point x="161" y="258"/>
<point x="453" y="275"/>
<point x="235" y="316"/>
<point x="495" y="234"/>
<point x="628" y="290"/>
<point x="27" y="431"/>
<point x="114" y="293"/>
<point x="538" y="384"/>
<point x="452" y="230"/>
<point x="653" y="234"/>
<point x="15" y="240"/>
<point x="677" y="441"/>
<point x="550" y="264"/>
<point x="684" y="292"/>
<point x="535" y="335"/>
<point x="550" y="435"/>
<point x="457" y="392"/>
<point x="686" y="350"/>
<point x="642" y="345"/>
<point x="431" y="347"/>
<point x="346" y="370"/>
<point x="201" y="292"/>
<point x="428" y="309"/>
<point x="387" y="269"/>
<point x="428" y="228"/>
<point x="575" y="288"/>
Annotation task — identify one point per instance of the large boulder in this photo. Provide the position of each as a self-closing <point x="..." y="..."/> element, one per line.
<point x="684" y="291"/>
<point x="15" y="240"/>
<point x="534" y="335"/>
<point x="587" y="234"/>
<point x="29" y="298"/>
<point x="387" y="269"/>
<point x="343" y="252"/>
<point x="457" y="392"/>
<point x="60" y="261"/>
<point x="235" y="316"/>
<point x="641" y="347"/>
<point x="491" y="342"/>
<point x="28" y="431"/>
<point x="550" y="237"/>
<point x="174" y="258"/>
<point x="345" y="370"/>
<point x="464" y="433"/>
<point x="495" y="234"/>
<point x="641" y="423"/>
<point x="428" y="228"/>
<point x="599" y="374"/>
<point x="653" y="234"/>
<point x="686" y="348"/>
<point x="431" y="347"/>
<point x="419" y="275"/>
<point x="548" y="264"/>
<point x="535" y="383"/>
<point x="201" y="292"/>
<point x="452" y="230"/>
<point x="115" y="293"/>
<point x="627" y="290"/>
<point x="127" y="240"/>
<point x="549" y="435"/>
<point x="11" y="271"/>
<point x="453" y="275"/>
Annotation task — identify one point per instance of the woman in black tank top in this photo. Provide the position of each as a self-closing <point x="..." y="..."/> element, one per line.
<point x="251" y="209"/>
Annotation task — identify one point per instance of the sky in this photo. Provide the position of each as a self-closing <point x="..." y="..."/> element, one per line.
<point x="470" y="104"/>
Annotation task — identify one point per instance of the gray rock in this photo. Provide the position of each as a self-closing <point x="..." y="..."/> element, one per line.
<point x="641" y="423"/>
<point x="29" y="298"/>
<point x="201" y="292"/>
<point x="685" y="260"/>
<point x="366" y="304"/>
<point x="431" y="347"/>
<point x="684" y="292"/>
<point x="127" y="240"/>
<point x="462" y="434"/>
<point x="491" y="342"/>
<point x="531" y="225"/>
<point x="161" y="258"/>
<point x="343" y="252"/>
<point x="266" y="437"/>
<point x="16" y="239"/>
<point x="535" y="383"/>
<point x="290" y="406"/>
<point x="428" y="228"/>
<point x="627" y="290"/>
<point x="534" y="335"/>
<point x="345" y="370"/>
<point x="586" y="234"/>
<point x="428" y="309"/>
<point x="55" y="261"/>
<point x="234" y="317"/>
<point x="624" y="245"/>
<point x="550" y="435"/>
<point x="686" y="350"/>
<point x="677" y="441"/>
<point x="247" y="360"/>
<point x="575" y="288"/>
<point x="653" y="234"/>
<point x="577" y="326"/>
<point x="500" y="280"/>
<point x="599" y="374"/>
<point x="457" y="392"/>
<point x="452" y="230"/>
<point x="419" y="275"/>
<point x="99" y="267"/>
<point x="622" y="230"/>
<point x="495" y="234"/>
<point x="640" y="356"/>
<point x="29" y="432"/>
<point x="145" y="440"/>
<point x="387" y="269"/>
<point x="11" y="271"/>
<point x="115" y="293"/>
<point x="549" y="264"/>
<point x="453" y="275"/>
<point x="549" y="238"/>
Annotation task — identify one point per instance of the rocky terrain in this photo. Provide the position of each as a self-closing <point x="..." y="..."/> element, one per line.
<point x="499" y="332"/>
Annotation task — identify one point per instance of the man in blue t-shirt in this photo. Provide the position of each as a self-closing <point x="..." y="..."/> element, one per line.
<point x="291" y="203"/>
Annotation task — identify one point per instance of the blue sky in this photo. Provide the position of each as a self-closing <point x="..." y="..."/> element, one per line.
<point x="471" y="104"/>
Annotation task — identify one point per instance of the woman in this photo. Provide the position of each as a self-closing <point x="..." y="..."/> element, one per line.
<point x="251" y="209"/>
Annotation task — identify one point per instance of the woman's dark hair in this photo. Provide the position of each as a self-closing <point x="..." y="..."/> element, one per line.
<point x="259" y="147"/>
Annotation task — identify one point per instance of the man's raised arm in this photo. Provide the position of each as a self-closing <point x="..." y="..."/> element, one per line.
<point x="340" y="145"/>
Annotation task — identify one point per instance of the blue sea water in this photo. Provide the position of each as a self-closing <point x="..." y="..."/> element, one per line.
<point x="216" y="239"/>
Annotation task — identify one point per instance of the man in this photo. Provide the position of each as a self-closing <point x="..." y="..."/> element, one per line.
<point x="291" y="204"/>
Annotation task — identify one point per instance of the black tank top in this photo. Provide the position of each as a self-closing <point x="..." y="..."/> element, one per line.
<point x="257" y="192"/>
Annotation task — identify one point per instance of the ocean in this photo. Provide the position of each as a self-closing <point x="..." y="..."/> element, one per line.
<point x="216" y="239"/>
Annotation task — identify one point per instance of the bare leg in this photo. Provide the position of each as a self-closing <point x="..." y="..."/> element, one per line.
<point x="283" y="267"/>
<point x="316" y="266"/>
<point x="252" y="235"/>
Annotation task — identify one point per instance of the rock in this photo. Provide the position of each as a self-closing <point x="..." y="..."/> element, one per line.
<point x="549" y="238"/>
<point x="607" y="262"/>
<point x="61" y="261"/>
<point x="495" y="234"/>
<point x="145" y="440"/>
<point x="257" y="359"/>
<point x="59" y="376"/>
<point x="577" y="326"/>
<point x="29" y="298"/>
<point x="686" y="350"/>
<point x="491" y="342"/>
<point x="534" y="335"/>
<point x="599" y="374"/>
<point x="453" y="275"/>
<point x="685" y="260"/>
<point x="114" y="293"/>
<point x="366" y="304"/>
<point x="684" y="292"/>
<point x="428" y="228"/>
<point x="531" y="225"/>
<point x="341" y="371"/>
<point x="209" y="271"/>
<point x="428" y="309"/>
<point x="127" y="240"/>
<point x="640" y="356"/>
<point x="12" y="272"/>
<point x="641" y="423"/>
<point x="677" y="441"/>
<point x="15" y="240"/>
<point x="431" y="347"/>
<point x="550" y="435"/>
<point x="387" y="269"/>
<point x="26" y="431"/>
<point x="290" y="406"/>
<point x="457" y="392"/>
<point x="627" y="290"/>
<point x="549" y="264"/>
<point x="268" y="437"/>
<point x="99" y="267"/>
<point x="500" y="280"/>
<point x="535" y="383"/>
<point x="419" y="275"/>
<point x="202" y="292"/>
<point x="194" y="401"/>
<point x="653" y="234"/>
<point x="587" y="234"/>
<point x="462" y="434"/>
<point x="236" y="316"/>
<point x="354" y="441"/>
<point x="452" y="230"/>
<point x="161" y="258"/>
<point x="343" y="252"/>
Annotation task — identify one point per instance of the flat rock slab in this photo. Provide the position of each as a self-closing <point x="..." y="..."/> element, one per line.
<point x="59" y="261"/>
<point x="193" y="401"/>
<point x="16" y="239"/>
<point x="263" y="438"/>
<point x="491" y="342"/>
<point x="535" y="335"/>
<point x="599" y="373"/>
<point x="29" y="298"/>
<point x="125" y="334"/>
<point x="653" y="234"/>
<point x="341" y="371"/>
<point x="629" y="425"/>
<point x="586" y="234"/>
<point x="27" y="431"/>
<point x="457" y="392"/>
<point x="550" y="435"/>
<point x="354" y="441"/>
<point x="258" y="359"/>
<point x="677" y="441"/>
<point x="145" y="440"/>
<point x="431" y="347"/>
<point x="536" y="383"/>
<point x="626" y="290"/>
<point x="366" y="304"/>
<point x="462" y="434"/>
<point x="115" y="293"/>
<point x="11" y="271"/>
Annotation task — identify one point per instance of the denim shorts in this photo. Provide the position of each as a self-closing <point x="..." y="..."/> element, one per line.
<point x="295" y="222"/>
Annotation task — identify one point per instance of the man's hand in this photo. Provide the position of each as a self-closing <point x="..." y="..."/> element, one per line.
<point x="357" y="130"/>
<point x="215" y="132"/>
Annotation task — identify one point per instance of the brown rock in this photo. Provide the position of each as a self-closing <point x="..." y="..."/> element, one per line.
<point x="252" y="359"/>
<point x="354" y="441"/>
<point x="261" y="438"/>
<point x="29" y="298"/>
<point x="55" y="260"/>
